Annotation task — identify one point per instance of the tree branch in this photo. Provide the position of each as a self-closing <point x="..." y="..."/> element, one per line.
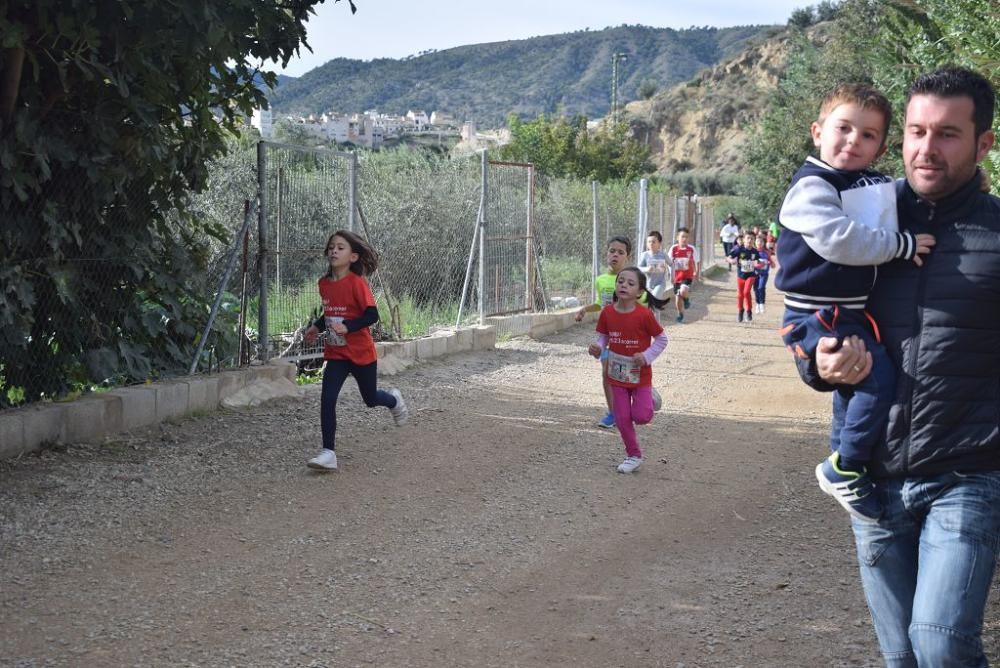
<point x="10" y="82"/>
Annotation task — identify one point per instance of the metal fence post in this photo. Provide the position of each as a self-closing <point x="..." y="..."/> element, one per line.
<point x="482" y="243"/>
<point x="352" y="192"/>
<point x="641" y="218"/>
<point x="594" y="258"/>
<point x="263" y="342"/>
<point x="529" y="267"/>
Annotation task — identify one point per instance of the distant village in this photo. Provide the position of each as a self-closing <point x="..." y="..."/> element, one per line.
<point x="371" y="129"/>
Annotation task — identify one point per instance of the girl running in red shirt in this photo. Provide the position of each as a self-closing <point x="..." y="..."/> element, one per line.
<point x="349" y="349"/>
<point x="634" y="339"/>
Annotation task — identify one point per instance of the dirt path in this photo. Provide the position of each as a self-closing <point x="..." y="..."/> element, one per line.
<point x="491" y="531"/>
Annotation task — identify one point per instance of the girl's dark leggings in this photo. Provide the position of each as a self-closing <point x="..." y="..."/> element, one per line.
<point x="334" y="375"/>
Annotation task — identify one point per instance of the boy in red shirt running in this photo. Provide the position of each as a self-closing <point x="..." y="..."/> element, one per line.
<point x="685" y="262"/>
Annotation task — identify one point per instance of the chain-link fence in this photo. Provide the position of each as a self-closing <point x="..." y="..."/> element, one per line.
<point x="499" y="235"/>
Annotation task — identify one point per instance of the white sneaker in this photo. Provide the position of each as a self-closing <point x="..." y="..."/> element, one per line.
<point x="399" y="412"/>
<point x="326" y="460"/>
<point x="630" y="464"/>
<point x="657" y="400"/>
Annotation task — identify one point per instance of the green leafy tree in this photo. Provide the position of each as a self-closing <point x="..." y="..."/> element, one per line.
<point x="647" y="89"/>
<point x="560" y="147"/>
<point x="110" y="111"/>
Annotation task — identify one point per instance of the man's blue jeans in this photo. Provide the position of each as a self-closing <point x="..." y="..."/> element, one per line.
<point x="927" y="567"/>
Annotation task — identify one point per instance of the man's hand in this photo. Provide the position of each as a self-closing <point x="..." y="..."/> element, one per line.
<point x="924" y="244"/>
<point x="848" y="365"/>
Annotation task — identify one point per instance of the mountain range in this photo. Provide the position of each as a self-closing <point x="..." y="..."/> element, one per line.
<point x="567" y="74"/>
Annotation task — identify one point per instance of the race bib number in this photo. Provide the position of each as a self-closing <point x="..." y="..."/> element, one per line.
<point x="746" y="266"/>
<point x="607" y="298"/>
<point x="330" y="336"/>
<point x="681" y="263"/>
<point x="656" y="266"/>
<point x="623" y="368"/>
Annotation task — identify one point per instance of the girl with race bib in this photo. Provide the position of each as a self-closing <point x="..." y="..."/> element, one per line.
<point x="349" y="349"/>
<point x="633" y="339"/>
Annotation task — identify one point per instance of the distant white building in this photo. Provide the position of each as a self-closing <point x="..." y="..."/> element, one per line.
<point x="468" y="131"/>
<point x="357" y="129"/>
<point x="261" y="119"/>
<point x="389" y="125"/>
<point x="418" y="119"/>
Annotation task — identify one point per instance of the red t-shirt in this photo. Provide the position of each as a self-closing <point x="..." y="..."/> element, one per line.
<point x="628" y="334"/>
<point x="347" y="298"/>
<point x="682" y="261"/>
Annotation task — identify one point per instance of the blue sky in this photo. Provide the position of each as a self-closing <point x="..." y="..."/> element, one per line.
<point x="396" y="29"/>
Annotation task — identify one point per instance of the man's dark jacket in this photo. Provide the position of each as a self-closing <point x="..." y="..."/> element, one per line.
<point x="941" y="325"/>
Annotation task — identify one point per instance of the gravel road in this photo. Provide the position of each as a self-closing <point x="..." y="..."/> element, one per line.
<point x="491" y="531"/>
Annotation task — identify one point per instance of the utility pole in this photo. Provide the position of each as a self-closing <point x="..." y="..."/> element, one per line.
<point x="615" y="59"/>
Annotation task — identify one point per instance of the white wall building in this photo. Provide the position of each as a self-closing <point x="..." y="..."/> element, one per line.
<point x="261" y="119"/>
<point x="418" y="119"/>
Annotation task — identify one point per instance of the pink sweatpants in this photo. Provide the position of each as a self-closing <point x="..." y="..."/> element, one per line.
<point x="633" y="405"/>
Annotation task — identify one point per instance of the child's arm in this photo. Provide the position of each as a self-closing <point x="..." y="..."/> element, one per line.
<point x="366" y="319"/>
<point x="598" y="346"/>
<point x="584" y="310"/>
<point x="813" y="209"/>
<point x="647" y="356"/>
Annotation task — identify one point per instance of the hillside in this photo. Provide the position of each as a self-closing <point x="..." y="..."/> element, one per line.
<point x="702" y="123"/>
<point x="568" y="73"/>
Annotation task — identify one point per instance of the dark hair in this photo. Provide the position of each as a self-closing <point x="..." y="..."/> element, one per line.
<point x="651" y="300"/>
<point x="367" y="261"/>
<point x="656" y="235"/>
<point x="955" y="81"/>
<point x="623" y="241"/>
<point x="864" y="96"/>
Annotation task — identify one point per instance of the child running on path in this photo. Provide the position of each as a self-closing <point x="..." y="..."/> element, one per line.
<point x="632" y="339"/>
<point x="685" y="263"/>
<point x="653" y="263"/>
<point x="839" y="221"/>
<point x="348" y="310"/>
<point x="745" y="257"/>
<point x="765" y="261"/>
<point x="619" y="249"/>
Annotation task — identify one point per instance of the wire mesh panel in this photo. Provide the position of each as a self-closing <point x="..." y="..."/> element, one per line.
<point x="508" y="258"/>
<point x="419" y="213"/>
<point x="563" y="223"/>
<point x="306" y="195"/>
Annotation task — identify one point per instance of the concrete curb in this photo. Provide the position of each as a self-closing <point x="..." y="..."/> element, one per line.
<point x="95" y="417"/>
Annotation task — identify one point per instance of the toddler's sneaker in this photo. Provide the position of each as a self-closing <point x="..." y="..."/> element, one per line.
<point x="399" y="412"/>
<point x="854" y="490"/>
<point x="749" y="315"/>
<point x="739" y="318"/>
<point x="608" y="421"/>
<point x="630" y="464"/>
<point x="657" y="400"/>
<point x="680" y="317"/>
<point x="326" y="460"/>
<point x="687" y="303"/>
